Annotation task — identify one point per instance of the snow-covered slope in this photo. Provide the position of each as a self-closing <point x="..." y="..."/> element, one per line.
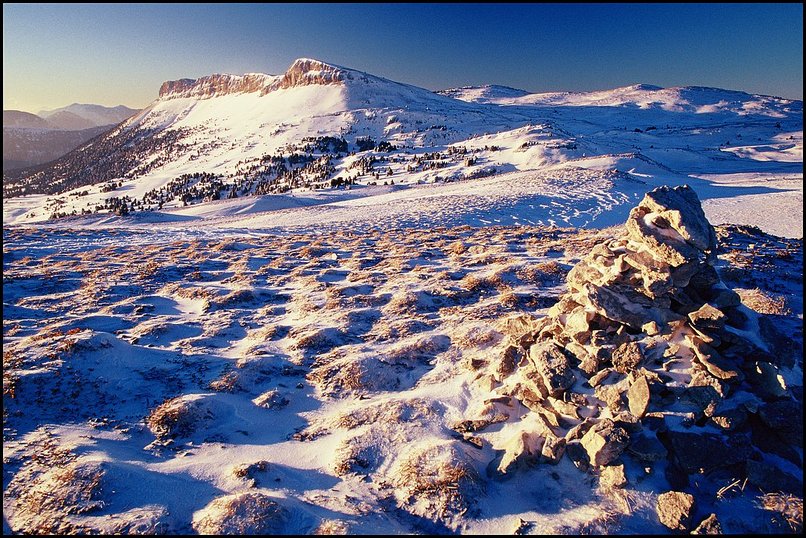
<point x="322" y="126"/>
<point x="694" y="99"/>
<point x="489" y="93"/>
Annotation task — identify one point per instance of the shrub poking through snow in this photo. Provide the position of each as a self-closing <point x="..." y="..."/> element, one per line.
<point x="178" y="417"/>
<point x="437" y="482"/>
<point x="241" y="513"/>
<point x="46" y="502"/>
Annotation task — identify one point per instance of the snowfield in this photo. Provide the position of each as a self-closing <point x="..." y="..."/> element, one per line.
<point x="319" y="370"/>
<point x="335" y="360"/>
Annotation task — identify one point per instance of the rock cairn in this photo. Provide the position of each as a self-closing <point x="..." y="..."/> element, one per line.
<point x="649" y="358"/>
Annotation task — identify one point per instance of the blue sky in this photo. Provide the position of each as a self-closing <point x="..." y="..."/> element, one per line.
<point x="110" y="54"/>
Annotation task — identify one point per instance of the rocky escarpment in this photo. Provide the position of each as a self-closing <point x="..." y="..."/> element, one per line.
<point x="650" y="362"/>
<point x="216" y="86"/>
<point x="303" y="72"/>
<point x="306" y="72"/>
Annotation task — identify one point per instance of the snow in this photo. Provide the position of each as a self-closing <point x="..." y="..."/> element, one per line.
<point x="389" y="302"/>
<point x="363" y="308"/>
<point x="655" y="135"/>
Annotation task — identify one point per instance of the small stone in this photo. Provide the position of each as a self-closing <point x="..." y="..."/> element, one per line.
<point x="553" y="449"/>
<point x="681" y="211"/>
<point x="676" y="510"/>
<point x="716" y="365"/>
<point x="704" y="399"/>
<point x="646" y="447"/>
<point x="701" y="378"/>
<point x="612" y="477"/>
<point x="638" y="396"/>
<point x="709" y="525"/>
<point x="522" y="527"/>
<point x="600" y="376"/>
<point x="730" y="419"/>
<point x="629" y="422"/>
<point x="553" y="367"/>
<point x="712" y="339"/>
<point x="486" y="382"/>
<point x="612" y="396"/>
<point x="509" y="361"/>
<point x="642" y="228"/>
<point x="605" y="442"/>
<point x="766" y="380"/>
<point x="785" y="417"/>
<point x="627" y="357"/>
<point x="769" y="478"/>
<point x="651" y="328"/>
<point x="576" y="324"/>
<point x="579" y="430"/>
<point x="704" y="279"/>
<point x="577" y="454"/>
<point x="703" y="452"/>
<point x="724" y="298"/>
<point x="519" y="450"/>
<point x="707" y="318"/>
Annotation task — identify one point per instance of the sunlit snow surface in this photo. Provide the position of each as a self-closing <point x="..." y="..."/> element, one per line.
<point x="358" y="313"/>
<point x="558" y="147"/>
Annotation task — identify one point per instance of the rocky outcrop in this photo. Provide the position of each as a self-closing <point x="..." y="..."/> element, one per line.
<point x="303" y="72"/>
<point x="216" y="86"/>
<point x="649" y="356"/>
<point x="306" y="72"/>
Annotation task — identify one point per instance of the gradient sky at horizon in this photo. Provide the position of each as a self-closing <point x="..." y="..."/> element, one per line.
<point x="110" y="54"/>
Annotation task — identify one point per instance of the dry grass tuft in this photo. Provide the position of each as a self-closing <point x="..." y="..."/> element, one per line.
<point x="438" y="481"/>
<point x="339" y="378"/>
<point x="764" y="302"/>
<point x="786" y="507"/>
<point x="229" y="382"/>
<point x="178" y="417"/>
<point x="46" y="501"/>
<point x="332" y="526"/>
<point x="241" y="513"/>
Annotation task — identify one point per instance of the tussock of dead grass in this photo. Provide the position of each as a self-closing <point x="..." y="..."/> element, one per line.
<point x="789" y="508"/>
<point x="764" y="302"/>
<point x="241" y="513"/>
<point x="177" y="417"/>
<point x="332" y="526"/>
<point x="438" y="481"/>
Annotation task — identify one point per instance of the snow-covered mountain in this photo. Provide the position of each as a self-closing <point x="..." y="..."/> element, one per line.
<point x="320" y="125"/>
<point x="483" y="94"/>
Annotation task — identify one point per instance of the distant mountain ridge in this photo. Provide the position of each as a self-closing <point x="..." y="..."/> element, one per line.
<point x="83" y="116"/>
<point x="31" y="139"/>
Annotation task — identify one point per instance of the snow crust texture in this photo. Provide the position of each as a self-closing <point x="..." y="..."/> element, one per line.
<point x="494" y="379"/>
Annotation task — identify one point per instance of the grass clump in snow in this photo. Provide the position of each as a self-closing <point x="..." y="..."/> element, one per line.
<point x="177" y="417"/>
<point x="764" y="302"/>
<point x="437" y="482"/>
<point x="787" y="508"/>
<point x="44" y="504"/>
<point x="241" y="513"/>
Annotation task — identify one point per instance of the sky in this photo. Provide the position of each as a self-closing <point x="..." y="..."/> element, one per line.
<point x="111" y="54"/>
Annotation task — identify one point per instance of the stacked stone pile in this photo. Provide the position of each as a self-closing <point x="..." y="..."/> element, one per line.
<point x="649" y="358"/>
